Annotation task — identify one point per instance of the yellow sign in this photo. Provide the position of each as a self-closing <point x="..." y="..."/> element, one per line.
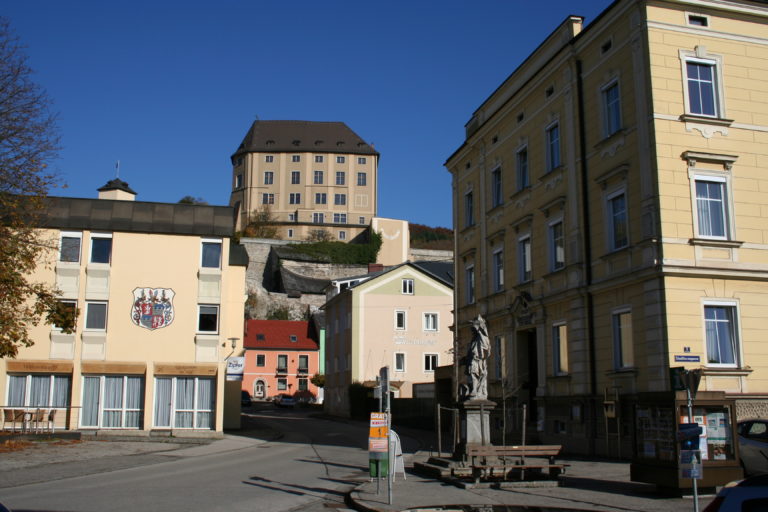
<point x="379" y="429"/>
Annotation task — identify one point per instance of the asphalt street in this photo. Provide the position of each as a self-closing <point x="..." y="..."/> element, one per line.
<point x="310" y="464"/>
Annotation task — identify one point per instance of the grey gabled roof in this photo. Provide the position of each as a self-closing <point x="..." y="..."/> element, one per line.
<point x="138" y="216"/>
<point x="440" y="270"/>
<point x="303" y="137"/>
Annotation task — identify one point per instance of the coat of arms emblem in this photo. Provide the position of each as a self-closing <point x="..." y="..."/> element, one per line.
<point x="152" y="307"/>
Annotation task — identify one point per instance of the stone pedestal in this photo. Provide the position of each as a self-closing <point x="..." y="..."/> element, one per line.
<point x="475" y="417"/>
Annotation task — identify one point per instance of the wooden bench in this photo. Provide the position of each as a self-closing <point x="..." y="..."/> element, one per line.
<point x="508" y="460"/>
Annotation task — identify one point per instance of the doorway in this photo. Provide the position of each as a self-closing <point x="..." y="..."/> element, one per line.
<point x="528" y="370"/>
<point x="259" y="389"/>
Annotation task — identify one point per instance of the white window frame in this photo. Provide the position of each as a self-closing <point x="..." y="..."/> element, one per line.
<point x="73" y="302"/>
<point x="735" y="331"/>
<point x="431" y="359"/>
<point x="361" y="160"/>
<point x="123" y="409"/>
<point x="342" y="235"/>
<point x="362" y="179"/>
<point x="100" y="236"/>
<point x="613" y="243"/>
<point x="726" y="208"/>
<point x="339" y="218"/>
<point x="340" y="199"/>
<point x="218" y="318"/>
<point x="431" y="322"/>
<point x="612" y="118"/>
<point x="497" y="267"/>
<point x="238" y="181"/>
<point x="398" y="315"/>
<point x="269" y="159"/>
<point x="290" y="233"/>
<point x="620" y="341"/>
<point x="361" y="220"/>
<point x="267" y="198"/>
<point x="560" y="348"/>
<point x="699" y="56"/>
<point x="341" y="178"/>
<point x="295" y="158"/>
<point x="269" y="177"/>
<point x="407" y="286"/>
<point x="294" y="198"/>
<point x="88" y="312"/>
<point x="318" y="177"/>
<point x="552" y="146"/>
<point x="525" y="258"/>
<point x="71" y="234"/>
<point x="318" y="218"/>
<point x="196" y="406"/>
<point x="556" y="254"/>
<point x="211" y="241"/>
<point x="321" y="198"/>
<point x="318" y="159"/>
<point x="295" y="177"/>
<point x="400" y="358"/>
<point x="341" y="159"/>
<point x="51" y="389"/>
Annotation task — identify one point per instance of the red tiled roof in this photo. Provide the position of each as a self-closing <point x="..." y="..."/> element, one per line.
<point x="276" y="334"/>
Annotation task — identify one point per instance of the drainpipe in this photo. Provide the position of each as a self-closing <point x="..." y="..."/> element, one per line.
<point x="585" y="204"/>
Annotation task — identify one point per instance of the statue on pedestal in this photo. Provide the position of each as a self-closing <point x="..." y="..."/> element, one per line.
<point x="476" y="362"/>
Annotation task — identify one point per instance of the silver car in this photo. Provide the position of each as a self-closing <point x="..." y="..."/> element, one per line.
<point x="753" y="446"/>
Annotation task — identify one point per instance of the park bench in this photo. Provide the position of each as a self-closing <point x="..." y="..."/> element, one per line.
<point x="489" y="461"/>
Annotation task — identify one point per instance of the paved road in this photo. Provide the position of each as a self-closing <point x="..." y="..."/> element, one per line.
<point x="310" y="468"/>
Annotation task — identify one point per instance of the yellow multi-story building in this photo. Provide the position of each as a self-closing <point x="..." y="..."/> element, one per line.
<point x="160" y="292"/>
<point x="610" y="215"/>
<point x="310" y="176"/>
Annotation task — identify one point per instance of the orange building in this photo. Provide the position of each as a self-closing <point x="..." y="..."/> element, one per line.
<point x="280" y="357"/>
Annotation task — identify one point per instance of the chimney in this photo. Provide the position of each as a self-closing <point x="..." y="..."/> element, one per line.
<point x="375" y="267"/>
<point x="118" y="190"/>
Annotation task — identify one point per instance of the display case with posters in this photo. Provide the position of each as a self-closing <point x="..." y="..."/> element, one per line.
<point x="656" y="454"/>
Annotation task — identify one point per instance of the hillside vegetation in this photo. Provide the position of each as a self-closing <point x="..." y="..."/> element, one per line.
<point x="425" y="237"/>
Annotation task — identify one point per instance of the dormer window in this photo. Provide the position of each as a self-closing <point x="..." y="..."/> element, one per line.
<point x="293" y="338"/>
<point x="260" y="337"/>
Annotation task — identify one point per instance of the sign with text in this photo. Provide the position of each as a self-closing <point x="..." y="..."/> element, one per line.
<point x="379" y="425"/>
<point x="235" y="368"/>
<point x="690" y="464"/>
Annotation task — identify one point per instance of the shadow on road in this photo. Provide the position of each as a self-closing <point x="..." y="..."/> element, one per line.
<point x="298" y="490"/>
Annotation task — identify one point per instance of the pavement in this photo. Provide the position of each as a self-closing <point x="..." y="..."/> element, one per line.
<point x="587" y="485"/>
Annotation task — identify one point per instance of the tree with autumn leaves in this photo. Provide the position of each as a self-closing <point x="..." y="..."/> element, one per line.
<point x="28" y="141"/>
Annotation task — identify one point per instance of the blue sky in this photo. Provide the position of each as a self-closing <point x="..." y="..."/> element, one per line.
<point x="169" y="88"/>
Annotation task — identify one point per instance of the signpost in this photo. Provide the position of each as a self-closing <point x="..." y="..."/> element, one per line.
<point x="688" y="433"/>
<point x="384" y="381"/>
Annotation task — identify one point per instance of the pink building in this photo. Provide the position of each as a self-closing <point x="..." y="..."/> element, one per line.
<point x="280" y="357"/>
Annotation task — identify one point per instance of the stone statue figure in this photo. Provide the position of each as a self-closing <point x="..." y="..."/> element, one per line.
<point x="476" y="361"/>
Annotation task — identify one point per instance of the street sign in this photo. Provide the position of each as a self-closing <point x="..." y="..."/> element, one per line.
<point x="379" y="427"/>
<point x="690" y="464"/>
<point x="235" y="368"/>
